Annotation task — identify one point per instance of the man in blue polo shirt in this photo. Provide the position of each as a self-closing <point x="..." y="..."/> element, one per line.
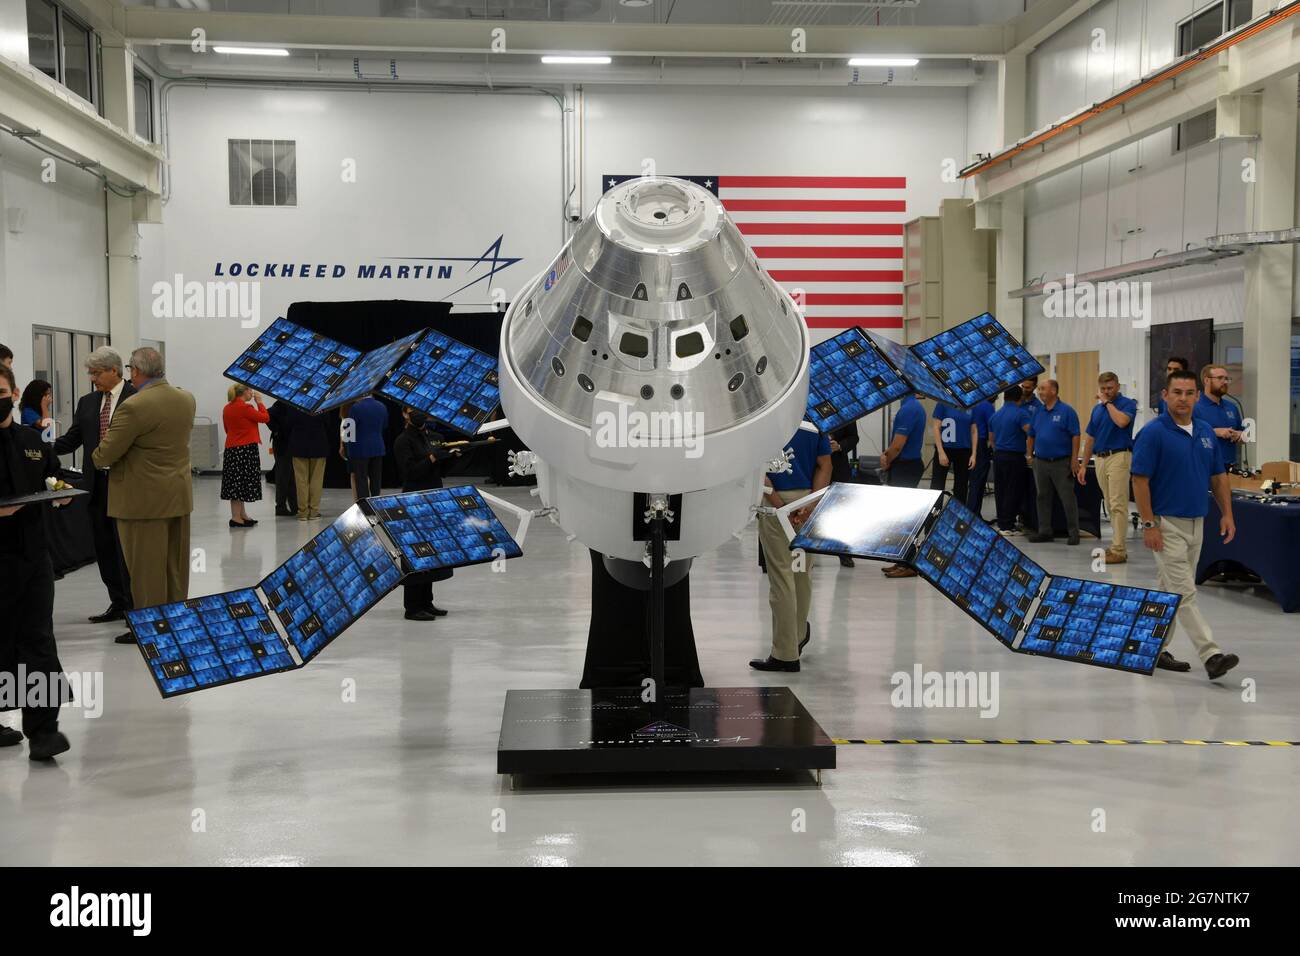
<point x="1053" y="448"/>
<point x="1175" y="461"/>
<point x="1008" y="428"/>
<point x="901" y="462"/>
<point x="1223" y="416"/>
<point x="1110" y="438"/>
<point x="981" y="415"/>
<point x="789" y="592"/>
<point x="1030" y="402"/>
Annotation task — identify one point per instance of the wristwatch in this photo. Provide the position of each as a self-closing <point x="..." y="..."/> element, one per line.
<point x="1147" y="525"/>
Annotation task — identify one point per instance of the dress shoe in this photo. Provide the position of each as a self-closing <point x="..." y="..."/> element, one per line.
<point x="846" y="561"/>
<point x="1220" y="664"/>
<point x="241" y="524"/>
<point x="47" y="746"/>
<point x="1072" y="540"/>
<point x="420" y="615"/>
<point x="284" y="513"/>
<point x="10" y="737"/>
<point x="807" y="636"/>
<point x="127" y="638"/>
<point x="772" y="664"/>
<point x="1117" y="557"/>
<point x="1037" y="538"/>
<point x="1167" y="662"/>
<point x="435" y="610"/>
<point x="114" y="613"/>
<point x="900" y="571"/>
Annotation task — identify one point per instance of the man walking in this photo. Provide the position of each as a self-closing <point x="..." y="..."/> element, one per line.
<point x="90" y="421"/>
<point x="1175" y="460"/>
<point x="1110" y="438"/>
<point x="1053" y="447"/>
<point x="147" y="452"/>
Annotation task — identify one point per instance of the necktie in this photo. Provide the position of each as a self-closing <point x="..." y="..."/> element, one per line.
<point x="105" y="413"/>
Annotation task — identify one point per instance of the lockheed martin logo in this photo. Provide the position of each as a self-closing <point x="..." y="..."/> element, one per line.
<point x="481" y="268"/>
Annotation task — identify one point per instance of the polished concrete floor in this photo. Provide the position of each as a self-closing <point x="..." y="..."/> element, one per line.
<point x="282" y="771"/>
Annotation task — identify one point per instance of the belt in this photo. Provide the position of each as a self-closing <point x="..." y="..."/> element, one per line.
<point x="1048" y="461"/>
<point x="1107" y="454"/>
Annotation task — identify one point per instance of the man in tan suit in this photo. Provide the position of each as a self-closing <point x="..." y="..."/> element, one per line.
<point x="147" y="452"/>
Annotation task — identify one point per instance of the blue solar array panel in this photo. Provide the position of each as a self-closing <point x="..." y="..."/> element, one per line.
<point x="867" y="521"/>
<point x="334" y="579"/>
<point x="1105" y="624"/>
<point x="979" y="570"/>
<point x="294" y="365"/>
<point x="976" y="360"/>
<point x="366" y="375"/>
<point x="849" y="378"/>
<point x="207" y="641"/>
<point x="443" y="528"/>
<point x="447" y="380"/>
<point x="916" y="375"/>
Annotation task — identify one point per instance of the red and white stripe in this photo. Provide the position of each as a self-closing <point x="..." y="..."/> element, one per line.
<point x="838" y="238"/>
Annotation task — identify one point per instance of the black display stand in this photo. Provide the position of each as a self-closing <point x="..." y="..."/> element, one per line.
<point x="659" y="729"/>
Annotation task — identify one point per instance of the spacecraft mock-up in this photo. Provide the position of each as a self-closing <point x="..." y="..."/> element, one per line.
<point x="656" y="374"/>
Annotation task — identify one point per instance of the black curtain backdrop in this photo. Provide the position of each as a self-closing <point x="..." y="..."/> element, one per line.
<point x="368" y="325"/>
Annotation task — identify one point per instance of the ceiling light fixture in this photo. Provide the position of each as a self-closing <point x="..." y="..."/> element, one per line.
<point x="591" y="60"/>
<point x="252" y="50"/>
<point x="884" y="61"/>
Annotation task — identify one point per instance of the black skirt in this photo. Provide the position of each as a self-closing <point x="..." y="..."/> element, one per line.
<point x="241" y="475"/>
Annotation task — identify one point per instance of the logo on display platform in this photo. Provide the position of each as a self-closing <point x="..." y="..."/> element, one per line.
<point x="472" y="269"/>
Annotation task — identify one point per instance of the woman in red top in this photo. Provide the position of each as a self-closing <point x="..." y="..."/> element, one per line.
<point x="241" y="465"/>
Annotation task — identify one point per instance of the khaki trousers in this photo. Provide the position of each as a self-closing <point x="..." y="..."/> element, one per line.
<point x="309" y="478"/>
<point x="1176" y="571"/>
<point x="157" y="554"/>
<point x="1113" y="476"/>
<point x="789" y="592"/>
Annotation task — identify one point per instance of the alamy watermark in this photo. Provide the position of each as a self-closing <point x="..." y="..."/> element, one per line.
<point x="22" y="688"/>
<point x="922" y="688"/>
<point x="179" y="299"/>
<point x="633" y="428"/>
<point x="1098" y="300"/>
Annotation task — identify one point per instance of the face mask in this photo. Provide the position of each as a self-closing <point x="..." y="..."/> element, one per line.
<point x="6" y="408"/>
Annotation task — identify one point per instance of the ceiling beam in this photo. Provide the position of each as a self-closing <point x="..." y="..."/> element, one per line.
<point x="151" y="25"/>
<point x="1246" y="67"/>
<point x="1041" y="20"/>
<point x="48" y="115"/>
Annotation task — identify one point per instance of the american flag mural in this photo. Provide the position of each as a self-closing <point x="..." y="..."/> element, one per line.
<point x="838" y="238"/>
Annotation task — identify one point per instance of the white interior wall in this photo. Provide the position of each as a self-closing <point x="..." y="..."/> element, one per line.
<point x="1138" y="202"/>
<point x="52" y="269"/>
<point x="437" y="176"/>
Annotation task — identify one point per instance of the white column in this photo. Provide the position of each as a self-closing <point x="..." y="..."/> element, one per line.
<point x="1011" y="234"/>
<point x="1270" y="278"/>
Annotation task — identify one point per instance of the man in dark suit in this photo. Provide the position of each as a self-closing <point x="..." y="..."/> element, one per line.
<point x="89" y="424"/>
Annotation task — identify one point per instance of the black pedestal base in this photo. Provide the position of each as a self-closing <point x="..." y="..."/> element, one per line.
<point x="701" y="729"/>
